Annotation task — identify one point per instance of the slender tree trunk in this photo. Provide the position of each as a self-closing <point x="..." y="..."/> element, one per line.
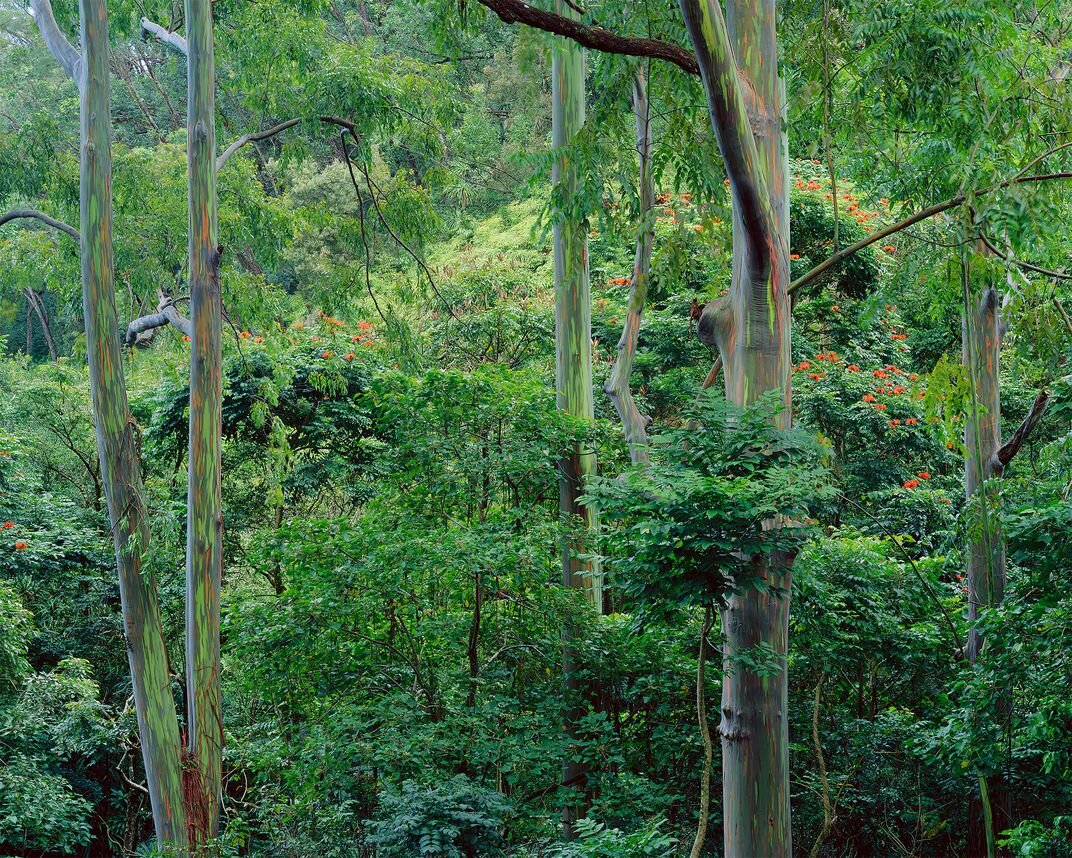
<point x="705" y="735"/>
<point x="573" y="366"/>
<point x="205" y="515"/>
<point x="37" y="302"/>
<point x="118" y="440"/>
<point x="617" y="385"/>
<point x="738" y="61"/>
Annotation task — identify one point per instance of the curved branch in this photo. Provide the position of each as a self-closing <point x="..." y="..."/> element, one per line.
<point x="44" y="218"/>
<point x="911" y="220"/>
<point x="165" y="315"/>
<point x="225" y="156"/>
<point x="64" y="52"/>
<point x="1011" y="447"/>
<point x="1019" y="263"/>
<point x="173" y="40"/>
<point x="591" y="36"/>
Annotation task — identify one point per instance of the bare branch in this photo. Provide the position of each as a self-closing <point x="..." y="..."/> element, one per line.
<point x="44" y="218"/>
<point x="166" y="314"/>
<point x="64" y="52"/>
<point x="592" y="36"/>
<point x="1019" y="263"/>
<point x="225" y="156"/>
<point x="173" y="40"/>
<point x="1011" y="447"/>
<point x="1064" y="313"/>
<point x="911" y="220"/>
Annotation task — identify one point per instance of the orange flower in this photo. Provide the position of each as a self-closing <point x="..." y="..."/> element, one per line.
<point x="8" y="525"/>
<point x="924" y="475"/>
<point x="889" y="248"/>
<point x="794" y="256"/>
<point x="878" y="373"/>
<point x="349" y="355"/>
<point x="946" y="500"/>
<point x="880" y="407"/>
<point x="898" y="390"/>
<point x="245" y="335"/>
<point x="329" y="353"/>
<point x="869" y="397"/>
<point x="836" y="308"/>
<point x="913" y="377"/>
<point x="805" y="365"/>
<point x="815" y="376"/>
<point x="185" y="338"/>
<point x="20" y="545"/>
<point x="258" y="339"/>
<point x="911" y="421"/>
<point x="852" y="368"/>
<point x="364" y="326"/>
<point x="911" y="484"/>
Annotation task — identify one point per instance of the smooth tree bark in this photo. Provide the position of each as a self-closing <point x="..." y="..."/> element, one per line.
<point x="573" y="374"/>
<point x="36" y="302"/>
<point x="204" y="523"/>
<point x="984" y="463"/>
<point x="118" y="438"/>
<point x="750" y="326"/>
<point x="616" y="386"/>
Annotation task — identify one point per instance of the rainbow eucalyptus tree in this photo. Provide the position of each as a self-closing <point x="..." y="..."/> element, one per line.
<point x="573" y="368"/>
<point x="204" y="522"/>
<point x="985" y="460"/>
<point x="118" y="441"/>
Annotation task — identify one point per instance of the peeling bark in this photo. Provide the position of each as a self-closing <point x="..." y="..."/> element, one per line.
<point x="617" y="385"/>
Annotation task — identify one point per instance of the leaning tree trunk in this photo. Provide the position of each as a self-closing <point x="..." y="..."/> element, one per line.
<point x="37" y="303"/>
<point x="750" y="326"/>
<point x="204" y="506"/>
<point x="573" y="369"/>
<point x="984" y="463"/>
<point x="616" y="386"/>
<point x="118" y="440"/>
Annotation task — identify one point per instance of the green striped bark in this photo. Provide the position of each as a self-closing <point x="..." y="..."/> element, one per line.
<point x="617" y="387"/>
<point x="738" y="61"/>
<point x="118" y="439"/>
<point x="573" y="309"/>
<point x="204" y="533"/>
<point x="573" y="371"/>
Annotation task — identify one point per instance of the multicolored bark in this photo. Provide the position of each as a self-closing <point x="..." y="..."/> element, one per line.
<point x="750" y="326"/>
<point x="573" y="370"/>
<point x="617" y="385"/>
<point x="984" y="463"/>
<point x="118" y="438"/>
<point x="204" y="506"/>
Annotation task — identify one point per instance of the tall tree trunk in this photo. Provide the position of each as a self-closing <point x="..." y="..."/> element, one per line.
<point x="204" y="513"/>
<point x="573" y="366"/>
<point x="984" y="463"/>
<point x="750" y="326"/>
<point x="118" y="440"/>
<point x="617" y="387"/>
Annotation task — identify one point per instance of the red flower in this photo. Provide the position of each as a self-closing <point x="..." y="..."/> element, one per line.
<point x="805" y="365"/>
<point x="880" y="407"/>
<point x="898" y="390"/>
<point x="852" y="368"/>
<point x="913" y="377"/>
<point x="869" y="397"/>
<point x="889" y="248"/>
<point x="923" y="475"/>
<point x="364" y="326"/>
<point x="815" y="376"/>
<point x="911" y="484"/>
<point x="20" y="545"/>
<point x="794" y="256"/>
<point x="878" y="373"/>
<point x="185" y="338"/>
<point x="8" y="525"/>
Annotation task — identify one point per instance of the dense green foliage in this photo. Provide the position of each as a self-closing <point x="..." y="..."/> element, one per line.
<point x="392" y="612"/>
